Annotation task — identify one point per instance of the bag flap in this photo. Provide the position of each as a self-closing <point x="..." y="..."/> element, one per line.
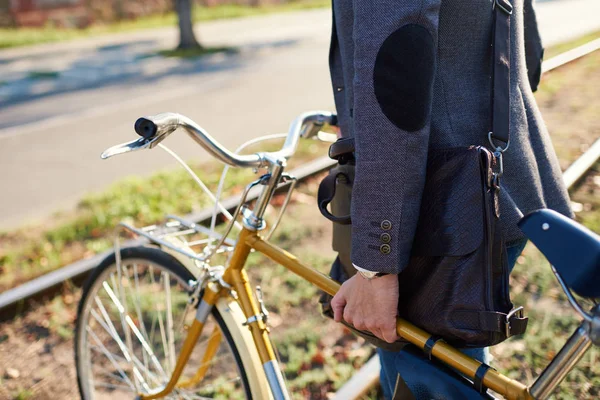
<point x="451" y="219"/>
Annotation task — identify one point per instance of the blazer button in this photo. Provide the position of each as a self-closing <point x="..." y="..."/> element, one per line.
<point x="385" y="237"/>
<point x="386" y="225"/>
<point x="385" y="249"/>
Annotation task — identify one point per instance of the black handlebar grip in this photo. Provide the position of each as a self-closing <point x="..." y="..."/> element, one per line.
<point x="145" y="128"/>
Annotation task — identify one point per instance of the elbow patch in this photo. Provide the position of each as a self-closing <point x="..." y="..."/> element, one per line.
<point x="403" y="76"/>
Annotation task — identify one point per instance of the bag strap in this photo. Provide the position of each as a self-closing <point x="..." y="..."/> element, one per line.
<point x="510" y="324"/>
<point x="500" y="93"/>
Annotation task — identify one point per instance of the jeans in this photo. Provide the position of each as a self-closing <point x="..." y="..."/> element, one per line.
<point x="419" y="373"/>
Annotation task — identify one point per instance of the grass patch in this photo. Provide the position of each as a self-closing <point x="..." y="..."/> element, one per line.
<point x="562" y="47"/>
<point x="33" y="251"/>
<point x="196" y="52"/>
<point x="568" y="99"/>
<point x="30" y="36"/>
<point x="43" y="75"/>
<point x="23" y="394"/>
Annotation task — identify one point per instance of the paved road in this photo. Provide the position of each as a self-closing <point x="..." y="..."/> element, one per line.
<point x="48" y="165"/>
<point x="50" y="144"/>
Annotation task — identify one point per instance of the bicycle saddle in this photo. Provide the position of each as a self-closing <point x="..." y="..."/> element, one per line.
<point x="570" y="247"/>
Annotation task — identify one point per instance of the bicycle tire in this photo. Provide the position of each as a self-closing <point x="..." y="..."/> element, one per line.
<point x="166" y="263"/>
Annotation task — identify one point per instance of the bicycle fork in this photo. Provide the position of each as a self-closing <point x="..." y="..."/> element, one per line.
<point x="204" y="308"/>
<point x="235" y="277"/>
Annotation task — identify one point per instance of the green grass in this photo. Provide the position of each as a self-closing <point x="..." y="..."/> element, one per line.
<point x="561" y="48"/>
<point x="30" y="36"/>
<point x="23" y="394"/>
<point x="568" y="99"/>
<point x="35" y="250"/>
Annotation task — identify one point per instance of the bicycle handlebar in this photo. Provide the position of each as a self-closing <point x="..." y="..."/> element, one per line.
<point x="159" y="126"/>
<point x="155" y="128"/>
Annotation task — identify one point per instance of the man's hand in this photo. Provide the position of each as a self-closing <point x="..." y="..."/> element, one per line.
<point x="369" y="305"/>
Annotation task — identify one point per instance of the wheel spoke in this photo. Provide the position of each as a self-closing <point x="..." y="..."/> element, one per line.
<point x="163" y="336"/>
<point x="110" y="329"/>
<point x="135" y="330"/>
<point x="131" y="360"/>
<point x="111" y="374"/>
<point x="137" y="296"/>
<point x="138" y="304"/>
<point x="117" y="284"/>
<point x="170" y="333"/>
<point x="113" y="386"/>
<point x="110" y="357"/>
<point x="161" y="326"/>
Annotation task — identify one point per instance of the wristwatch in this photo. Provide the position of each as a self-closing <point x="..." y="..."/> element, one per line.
<point x="369" y="275"/>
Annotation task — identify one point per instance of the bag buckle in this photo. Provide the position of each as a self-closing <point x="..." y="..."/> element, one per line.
<point x="494" y="145"/>
<point x="518" y="312"/>
<point x="498" y="150"/>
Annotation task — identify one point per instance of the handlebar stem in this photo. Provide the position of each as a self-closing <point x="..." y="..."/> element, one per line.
<point x="254" y="219"/>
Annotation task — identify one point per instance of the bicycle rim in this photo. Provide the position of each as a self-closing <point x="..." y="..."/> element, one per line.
<point x="131" y="324"/>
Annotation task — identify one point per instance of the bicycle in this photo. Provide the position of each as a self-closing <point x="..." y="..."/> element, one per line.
<point x="136" y="332"/>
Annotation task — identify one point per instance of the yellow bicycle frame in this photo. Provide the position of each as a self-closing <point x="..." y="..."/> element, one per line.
<point x="236" y="277"/>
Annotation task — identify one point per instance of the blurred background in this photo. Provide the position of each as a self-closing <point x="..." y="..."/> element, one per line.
<point x="76" y="74"/>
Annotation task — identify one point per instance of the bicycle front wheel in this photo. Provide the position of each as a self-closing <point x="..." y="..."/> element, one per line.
<point x="131" y="323"/>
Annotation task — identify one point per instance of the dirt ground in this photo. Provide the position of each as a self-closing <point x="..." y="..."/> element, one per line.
<point x="44" y="336"/>
<point x="36" y="362"/>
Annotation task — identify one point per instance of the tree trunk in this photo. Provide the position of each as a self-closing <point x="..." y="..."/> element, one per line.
<point x="187" y="39"/>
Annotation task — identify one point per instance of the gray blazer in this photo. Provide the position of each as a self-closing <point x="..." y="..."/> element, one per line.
<point x="409" y="75"/>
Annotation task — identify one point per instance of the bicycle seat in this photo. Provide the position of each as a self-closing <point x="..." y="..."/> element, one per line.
<point x="570" y="247"/>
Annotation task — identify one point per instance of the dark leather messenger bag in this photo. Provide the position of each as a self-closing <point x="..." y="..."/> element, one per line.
<point x="456" y="283"/>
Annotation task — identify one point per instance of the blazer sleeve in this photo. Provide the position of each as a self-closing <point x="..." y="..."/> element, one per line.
<point x="534" y="49"/>
<point x="395" y="49"/>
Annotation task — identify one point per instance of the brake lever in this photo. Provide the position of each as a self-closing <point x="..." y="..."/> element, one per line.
<point x="139" y="144"/>
<point x="150" y="137"/>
